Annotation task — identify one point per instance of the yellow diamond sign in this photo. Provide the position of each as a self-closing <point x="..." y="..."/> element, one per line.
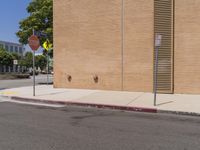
<point x="47" y="45"/>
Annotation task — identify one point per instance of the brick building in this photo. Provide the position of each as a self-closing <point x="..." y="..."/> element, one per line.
<point x="109" y="44"/>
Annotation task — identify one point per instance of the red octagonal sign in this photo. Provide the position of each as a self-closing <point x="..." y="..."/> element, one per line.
<point x="34" y="42"/>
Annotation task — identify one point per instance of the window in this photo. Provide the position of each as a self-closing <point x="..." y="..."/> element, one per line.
<point x="20" y="49"/>
<point x="11" y="49"/>
<point x="16" y="49"/>
<point x="6" y="47"/>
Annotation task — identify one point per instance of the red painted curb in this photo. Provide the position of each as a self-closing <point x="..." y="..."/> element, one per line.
<point x="126" y="108"/>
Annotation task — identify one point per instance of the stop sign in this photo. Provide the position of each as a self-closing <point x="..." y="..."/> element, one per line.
<point x="34" y="42"/>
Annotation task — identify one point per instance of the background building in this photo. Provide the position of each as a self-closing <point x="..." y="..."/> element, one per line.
<point x="109" y="44"/>
<point x="13" y="47"/>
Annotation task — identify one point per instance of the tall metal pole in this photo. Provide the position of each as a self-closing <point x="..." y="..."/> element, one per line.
<point x="33" y="73"/>
<point x="47" y="68"/>
<point x="158" y="38"/>
<point x="155" y="75"/>
<point x="46" y="21"/>
<point x="33" y="70"/>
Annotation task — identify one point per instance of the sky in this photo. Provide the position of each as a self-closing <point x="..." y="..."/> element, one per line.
<point x="11" y="12"/>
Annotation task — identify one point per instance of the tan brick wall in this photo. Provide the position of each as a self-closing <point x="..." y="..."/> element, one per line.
<point x="138" y="45"/>
<point x="87" y="42"/>
<point x="187" y="46"/>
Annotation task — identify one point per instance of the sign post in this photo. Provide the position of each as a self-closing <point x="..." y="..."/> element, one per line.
<point x="34" y="43"/>
<point x="158" y="38"/>
<point x="47" y="46"/>
<point x="33" y="73"/>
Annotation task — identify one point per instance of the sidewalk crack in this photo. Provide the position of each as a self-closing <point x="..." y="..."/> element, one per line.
<point x="134" y="99"/>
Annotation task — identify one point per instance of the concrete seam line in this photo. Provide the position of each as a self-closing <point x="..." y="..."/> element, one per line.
<point x="135" y="99"/>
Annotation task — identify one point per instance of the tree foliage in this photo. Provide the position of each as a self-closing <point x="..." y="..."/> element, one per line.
<point x="40" y="19"/>
<point x="16" y="56"/>
<point x="27" y="60"/>
<point x="5" y="58"/>
<point x="40" y="61"/>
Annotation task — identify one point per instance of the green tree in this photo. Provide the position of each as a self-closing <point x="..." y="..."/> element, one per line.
<point x="40" y="19"/>
<point x="5" y="58"/>
<point x="27" y="60"/>
<point x="16" y="56"/>
<point x="40" y="61"/>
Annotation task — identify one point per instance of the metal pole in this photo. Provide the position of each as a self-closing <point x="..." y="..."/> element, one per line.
<point x="33" y="73"/>
<point x="33" y="70"/>
<point x="47" y="68"/>
<point x="155" y="75"/>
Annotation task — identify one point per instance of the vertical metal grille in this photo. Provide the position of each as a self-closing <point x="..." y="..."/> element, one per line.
<point x="163" y="24"/>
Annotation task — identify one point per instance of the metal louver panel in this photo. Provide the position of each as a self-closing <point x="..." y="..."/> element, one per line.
<point x="163" y="24"/>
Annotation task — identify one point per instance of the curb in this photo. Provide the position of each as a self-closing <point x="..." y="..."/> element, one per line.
<point x="105" y="106"/>
<point x="117" y="107"/>
<point x="184" y="113"/>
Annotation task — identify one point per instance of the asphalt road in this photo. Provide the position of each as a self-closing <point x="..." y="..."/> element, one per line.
<point x="25" y="127"/>
<point x="40" y="79"/>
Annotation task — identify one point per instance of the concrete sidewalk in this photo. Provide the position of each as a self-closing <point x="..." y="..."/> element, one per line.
<point x="137" y="101"/>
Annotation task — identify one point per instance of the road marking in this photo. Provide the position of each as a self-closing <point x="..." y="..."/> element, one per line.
<point x="36" y="104"/>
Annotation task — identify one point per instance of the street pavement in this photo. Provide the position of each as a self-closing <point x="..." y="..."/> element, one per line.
<point x="28" y="127"/>
<point x="40" y="79"/>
